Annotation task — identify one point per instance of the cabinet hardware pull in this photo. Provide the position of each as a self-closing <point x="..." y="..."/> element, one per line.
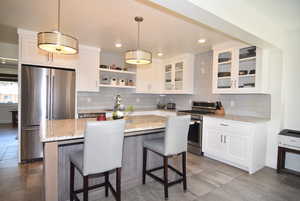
<point x="222" y="124"/>
<point x="225" y="139"/>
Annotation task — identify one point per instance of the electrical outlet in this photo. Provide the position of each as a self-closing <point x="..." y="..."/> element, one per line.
<point x="137" y="100"/>
<point x="89" y="100"/>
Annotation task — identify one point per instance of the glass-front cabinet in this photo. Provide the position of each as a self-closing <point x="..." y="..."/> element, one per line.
<point x="174" y="76"/>
<point x="168" y="77"/>
<point x="178" y="75"/>
<point x="238" y="69"/>
<point x="247" y="67"/>
<point x="224" y="69"/>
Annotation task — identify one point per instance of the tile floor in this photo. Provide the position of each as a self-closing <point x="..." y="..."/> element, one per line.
<point x="208" y="180"/>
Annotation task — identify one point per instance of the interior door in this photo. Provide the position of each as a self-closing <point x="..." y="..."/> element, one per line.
<point x="237" y="148"/>
<point x="34" y="95"/>
<point x="62" y="94"/>
<point x="213" y="143"/>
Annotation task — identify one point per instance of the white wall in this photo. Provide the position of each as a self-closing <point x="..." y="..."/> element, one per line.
<point x="275" y="22"/>
<point x="9" y="50"/>
<point x="5" y="114"/>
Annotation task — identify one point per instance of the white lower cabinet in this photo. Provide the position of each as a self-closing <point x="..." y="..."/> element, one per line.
<point x="240" y="144"/>
<point x="213" y="142"/>
<point x="237" y="148"/>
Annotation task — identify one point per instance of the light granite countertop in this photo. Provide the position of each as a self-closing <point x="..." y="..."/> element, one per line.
<point x="86" y="111"/>
<point x="67" y="129"/>
<point x="247" y="119"/>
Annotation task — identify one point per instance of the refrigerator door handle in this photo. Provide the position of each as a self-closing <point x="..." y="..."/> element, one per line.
<point x="52" y="94"/>
<point x="47" y="98"/>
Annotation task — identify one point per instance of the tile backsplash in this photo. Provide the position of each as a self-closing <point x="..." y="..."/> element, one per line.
<point x="105" y="99"/>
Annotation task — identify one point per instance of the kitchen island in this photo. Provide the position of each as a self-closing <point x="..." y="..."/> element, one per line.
<point x="62" y="137"/>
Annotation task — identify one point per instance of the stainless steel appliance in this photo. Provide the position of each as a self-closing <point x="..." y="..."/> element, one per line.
<point x="195" y="131"/>
<point x="46" y="93"/>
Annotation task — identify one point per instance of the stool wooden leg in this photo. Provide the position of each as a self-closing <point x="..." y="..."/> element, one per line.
<point x="106" y="183"/>
<point x="184" y="170"/>
<point x="85" y="188"/>
<point x="72" y="175"/>
<point x="118" y="184"/>
<point x="144" y="164"/>
<point x="166" y="177"/>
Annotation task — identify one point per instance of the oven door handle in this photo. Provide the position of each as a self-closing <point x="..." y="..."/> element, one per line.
<point x="193" y="122"/>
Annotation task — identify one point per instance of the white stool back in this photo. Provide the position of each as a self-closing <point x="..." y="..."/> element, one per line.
<point x="176" y="134"/>
<point x="103" y="146"/>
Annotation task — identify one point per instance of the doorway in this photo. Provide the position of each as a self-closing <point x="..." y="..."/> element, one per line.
<point x="8" y="110"/>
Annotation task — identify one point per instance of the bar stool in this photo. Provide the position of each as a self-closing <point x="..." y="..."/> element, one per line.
<point x="102" y="152"/>
<point x="173" y="143"/>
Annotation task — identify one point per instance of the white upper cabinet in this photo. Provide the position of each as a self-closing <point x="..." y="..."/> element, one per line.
<point x="238" y="69"/>
<point x="149" y="77"/>
<point x="169" y="76"/>
<point x="29" y="53"/>
<point x="88" y="69"/>
<point x="178" y="75"/>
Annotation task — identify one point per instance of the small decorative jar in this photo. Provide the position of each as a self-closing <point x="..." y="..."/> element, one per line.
<point x="113" y="81"/>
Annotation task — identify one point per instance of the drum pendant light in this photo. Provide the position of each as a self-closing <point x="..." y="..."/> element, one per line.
<point x="57" y="42"/>
<point x="138" y="56"/>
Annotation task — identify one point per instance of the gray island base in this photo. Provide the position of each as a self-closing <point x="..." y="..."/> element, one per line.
<point x="57" y="164"/>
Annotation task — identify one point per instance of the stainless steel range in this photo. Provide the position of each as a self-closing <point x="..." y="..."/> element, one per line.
<point x="195" y="132"/>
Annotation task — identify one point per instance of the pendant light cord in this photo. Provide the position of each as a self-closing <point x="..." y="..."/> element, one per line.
<point x="138" y="42"/>
<point x="58" y="16"/>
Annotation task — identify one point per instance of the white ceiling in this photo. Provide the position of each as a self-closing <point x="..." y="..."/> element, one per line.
<point x="102" y="23"/>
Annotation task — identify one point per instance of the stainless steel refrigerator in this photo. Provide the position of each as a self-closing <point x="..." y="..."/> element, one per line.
<point x="46" y="93"/>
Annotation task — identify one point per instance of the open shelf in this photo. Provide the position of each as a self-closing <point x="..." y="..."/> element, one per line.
<point x="116" y="86"/>
<point x="117" y="71"/>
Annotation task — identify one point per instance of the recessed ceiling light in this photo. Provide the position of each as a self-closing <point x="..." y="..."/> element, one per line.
<point x="160" y="54"/>
<point x="118" y="45"/>
<point x="3" y="62"/>
<point x="202" y="40"/>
